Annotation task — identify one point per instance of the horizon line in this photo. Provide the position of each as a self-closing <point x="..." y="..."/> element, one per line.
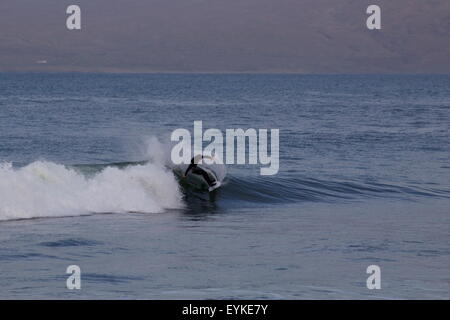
<point x="230" y="73"/>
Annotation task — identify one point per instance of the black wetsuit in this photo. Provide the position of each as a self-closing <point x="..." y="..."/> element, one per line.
<point x="199" y="171"/>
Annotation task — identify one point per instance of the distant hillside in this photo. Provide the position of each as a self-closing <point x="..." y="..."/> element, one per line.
<point x="307" y="36"/>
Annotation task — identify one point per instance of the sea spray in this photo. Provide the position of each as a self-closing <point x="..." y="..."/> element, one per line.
<point x="47" y="189"/>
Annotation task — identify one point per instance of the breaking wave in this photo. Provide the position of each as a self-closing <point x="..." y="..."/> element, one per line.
<point x="47" y="189"/>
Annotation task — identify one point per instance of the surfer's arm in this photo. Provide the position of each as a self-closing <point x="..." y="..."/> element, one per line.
<point x="193" y="163"/>
<point x="188" y="169"/>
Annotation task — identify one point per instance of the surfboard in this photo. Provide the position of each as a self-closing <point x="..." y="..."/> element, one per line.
<point x="214" y="187"/>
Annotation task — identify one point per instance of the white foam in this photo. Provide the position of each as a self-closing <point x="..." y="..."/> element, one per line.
<point x="47" y="189"/>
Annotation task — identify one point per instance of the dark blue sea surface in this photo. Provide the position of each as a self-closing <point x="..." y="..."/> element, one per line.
<point x="363" y="180"/>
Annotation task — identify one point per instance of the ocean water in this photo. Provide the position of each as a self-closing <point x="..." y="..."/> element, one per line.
<point x="364" y="180"/>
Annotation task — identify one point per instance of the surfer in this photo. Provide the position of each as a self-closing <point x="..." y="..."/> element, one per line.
<point x="195" y="169"/>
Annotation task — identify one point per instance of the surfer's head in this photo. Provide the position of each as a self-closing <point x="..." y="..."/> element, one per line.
<point x="196" y="159"/>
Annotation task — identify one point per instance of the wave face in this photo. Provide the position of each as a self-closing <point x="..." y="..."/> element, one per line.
<point x="47" y="189"/>
<point x="296" y="189"/>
